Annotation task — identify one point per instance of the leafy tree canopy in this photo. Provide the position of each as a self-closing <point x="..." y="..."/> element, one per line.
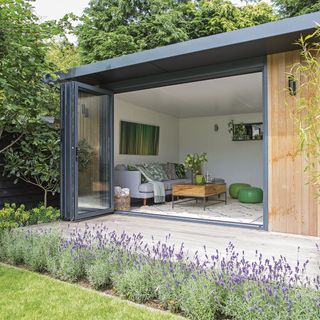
<point x="24" y="98"/>
<point x="29" y="148"/>
<point x="290" y="8"/>
<point x="112" y="28"/>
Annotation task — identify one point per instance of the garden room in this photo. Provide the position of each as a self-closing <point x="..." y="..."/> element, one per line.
<point x="192" y="150"/>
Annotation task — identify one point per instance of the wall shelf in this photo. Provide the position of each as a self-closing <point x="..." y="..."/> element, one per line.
<point x="247" y="131"/>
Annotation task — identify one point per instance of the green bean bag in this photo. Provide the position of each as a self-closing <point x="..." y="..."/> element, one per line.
<point x="235" y="187"/>
<point x="250" y="195"/>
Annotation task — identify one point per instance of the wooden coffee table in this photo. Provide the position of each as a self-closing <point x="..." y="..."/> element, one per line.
<point x="195" y="191"/>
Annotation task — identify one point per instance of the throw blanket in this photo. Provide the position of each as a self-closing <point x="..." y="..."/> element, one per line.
<point x="158" y="191"/>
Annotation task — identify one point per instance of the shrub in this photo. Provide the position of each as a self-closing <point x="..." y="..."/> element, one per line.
<point x="99" y="274"/>
<point x="12" y="216"/>
<point x="227" y="285"/>
<point x="42" y="214"/>
<point x="136" y="284"/>
<point x="197" y="298"/>
<point x="31" y="248"/>
<point x="171" y="278"/>
<point x="68" y="264"/>
<point x="13" y="246"/>
<point x="271" y="301"/>
<point x="40" y="247"/>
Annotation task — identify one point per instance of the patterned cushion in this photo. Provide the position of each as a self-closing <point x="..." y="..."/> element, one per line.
<point x="180" y="171"/>
<point x="156" y="172"/>
<point x="144" y="172"/>
<point x="170" y="170"/>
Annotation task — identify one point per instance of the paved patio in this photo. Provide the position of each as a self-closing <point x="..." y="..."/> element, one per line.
<point x="195" y="235"/>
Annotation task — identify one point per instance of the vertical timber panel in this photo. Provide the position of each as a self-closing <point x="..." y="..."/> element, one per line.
<point x="293" y="206"/>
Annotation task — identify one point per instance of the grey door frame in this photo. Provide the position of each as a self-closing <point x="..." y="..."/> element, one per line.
<point x="239" y="67"/>
<point x="69" y="143"/>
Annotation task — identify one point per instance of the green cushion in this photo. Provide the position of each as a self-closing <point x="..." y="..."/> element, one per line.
<point x="250" y="195"/>
<point x="235" y="187"/>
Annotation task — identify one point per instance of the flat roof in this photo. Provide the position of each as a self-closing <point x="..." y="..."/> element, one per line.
<point x="246" y="43"/>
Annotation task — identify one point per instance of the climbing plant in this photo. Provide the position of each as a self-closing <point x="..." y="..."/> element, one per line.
<point x="306" y="110"/>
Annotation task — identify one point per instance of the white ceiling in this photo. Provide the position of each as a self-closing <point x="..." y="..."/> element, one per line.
<point x="223" y="96"/>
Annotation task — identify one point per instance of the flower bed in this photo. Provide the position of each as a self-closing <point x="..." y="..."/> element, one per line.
<point x="217" y="286"/>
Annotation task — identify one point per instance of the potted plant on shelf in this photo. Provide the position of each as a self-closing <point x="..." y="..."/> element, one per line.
<point x="193" y="164"/>
<point x="238" y="131"/>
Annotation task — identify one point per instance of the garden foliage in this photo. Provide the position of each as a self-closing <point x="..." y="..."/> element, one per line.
<point x="305" y="104"/>
<point x="207" y="287"/>
<point x="13" y="216"/>
<point x="111" y="28"/>
<point x="290" y="8"/>
<point x="24" y="98"/>
<point x="36" y="160"/>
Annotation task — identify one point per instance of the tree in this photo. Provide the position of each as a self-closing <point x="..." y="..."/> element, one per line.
<point x="290" y="8"/>
<point x="29" y="50"/>
<point x="63" y="54"/>
<point x="24" y="98"/>
<point x="36" y="159"/>
<point x="111" y="28"/>
<point x="216" y="16"/>
<point x="306" y="112"/>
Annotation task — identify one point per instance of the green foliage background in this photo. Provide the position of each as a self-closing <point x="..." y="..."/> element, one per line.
<point x="111" y="28"/>
<point x="290" y="8"/>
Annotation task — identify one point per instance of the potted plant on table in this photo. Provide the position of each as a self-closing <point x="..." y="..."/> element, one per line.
<point x="193" y="164"/>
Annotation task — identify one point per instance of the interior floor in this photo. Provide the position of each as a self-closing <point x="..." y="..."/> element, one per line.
<point x="234" y="211"/>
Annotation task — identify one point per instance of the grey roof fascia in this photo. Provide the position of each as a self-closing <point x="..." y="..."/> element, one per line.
<point x="250" y="34"/>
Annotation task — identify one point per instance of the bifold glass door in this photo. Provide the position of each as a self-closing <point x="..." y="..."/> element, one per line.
<point x="87" y="157"/>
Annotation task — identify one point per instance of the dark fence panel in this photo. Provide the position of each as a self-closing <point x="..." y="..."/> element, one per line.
<point x="23" y="192"/>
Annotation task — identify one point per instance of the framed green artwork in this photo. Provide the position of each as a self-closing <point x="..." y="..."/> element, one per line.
<point x="139" y="139"/>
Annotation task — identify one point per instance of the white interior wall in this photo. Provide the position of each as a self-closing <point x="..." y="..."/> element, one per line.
<point x="169" y="132"/>
<point x="234" y="161"/>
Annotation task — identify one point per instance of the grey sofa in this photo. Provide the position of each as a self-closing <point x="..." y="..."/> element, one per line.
<point x="132" y="180"/>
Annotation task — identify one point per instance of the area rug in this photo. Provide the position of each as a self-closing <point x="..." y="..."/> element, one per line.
<point x="233" y="211"/>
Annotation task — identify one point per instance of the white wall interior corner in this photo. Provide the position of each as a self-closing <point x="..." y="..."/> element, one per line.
<point x="234" y="161"/>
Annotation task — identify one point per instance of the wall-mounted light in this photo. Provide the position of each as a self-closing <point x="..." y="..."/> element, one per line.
<point x="84" y="111"/>
<point x="292" y="85"/>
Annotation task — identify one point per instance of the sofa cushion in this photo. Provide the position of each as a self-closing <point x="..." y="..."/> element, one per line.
<point x="152" y="171"/>
<point x="120" y="167"/>
<point x="170" y="170"/>
<point x="180" y="171"/>
<point x="148" y="187"/>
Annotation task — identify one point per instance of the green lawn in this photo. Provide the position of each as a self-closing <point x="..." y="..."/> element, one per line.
<point x="28" y="295"/>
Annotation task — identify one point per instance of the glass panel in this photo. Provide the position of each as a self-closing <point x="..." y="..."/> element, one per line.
<point x="92" y="153"/>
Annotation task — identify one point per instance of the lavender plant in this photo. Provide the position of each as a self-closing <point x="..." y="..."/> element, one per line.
<point x="216" y="284"/>
<point x="136" y="284"/>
